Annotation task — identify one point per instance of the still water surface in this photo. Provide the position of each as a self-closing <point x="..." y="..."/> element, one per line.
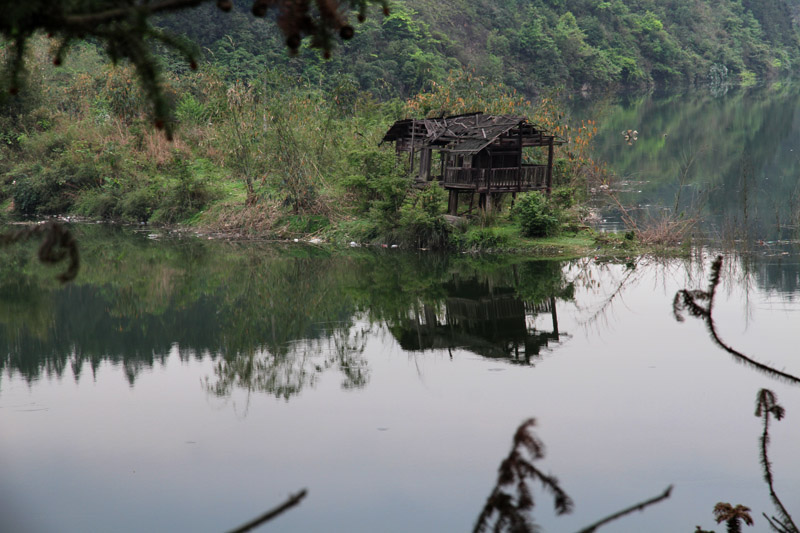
<point x="731" y="158"/>
<point x="189" y="385"/>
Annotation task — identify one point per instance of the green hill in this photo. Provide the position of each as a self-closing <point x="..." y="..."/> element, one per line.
<point x="529" y="45"/>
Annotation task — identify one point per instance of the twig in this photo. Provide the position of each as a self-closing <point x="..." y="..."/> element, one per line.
<point x="626" y="217"/>
<point x="269" y="515"/>
<point x="776" y="525"/>
<point x="638" y="507"/>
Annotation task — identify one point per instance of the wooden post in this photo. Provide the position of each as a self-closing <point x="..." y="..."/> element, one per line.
<point x="413" y="132"/>
<point x="425" y="164"/>
<point x="452" y="202"/>
<point x="553" y="314"/>
<point x="549" y="178"/>
<point x="519" y="162"/>
<point x="488" y="174"/>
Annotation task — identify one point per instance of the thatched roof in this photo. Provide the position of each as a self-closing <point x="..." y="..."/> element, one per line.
<point x="467" y="134"/>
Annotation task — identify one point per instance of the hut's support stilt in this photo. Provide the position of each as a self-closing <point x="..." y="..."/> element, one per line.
<point x="549" y="184"/>
<point x="452" y="202"/>
<point x="485" y="203"/>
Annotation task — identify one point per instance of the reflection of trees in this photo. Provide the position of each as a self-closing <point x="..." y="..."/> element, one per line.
<point x="274" y="319"/>
<point x="137" y="300"/>
<point x="751" y="169"/>
<point x="286" y="374"/>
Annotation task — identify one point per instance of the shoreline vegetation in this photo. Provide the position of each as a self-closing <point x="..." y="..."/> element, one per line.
<point x="286" y="146"/>
<point x="279" y="157"/>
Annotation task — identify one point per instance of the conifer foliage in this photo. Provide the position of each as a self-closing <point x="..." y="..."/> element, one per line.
<point x="505" y="512"/>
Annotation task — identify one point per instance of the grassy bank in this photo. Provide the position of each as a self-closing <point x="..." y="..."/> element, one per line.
<point x="279" y="157"/>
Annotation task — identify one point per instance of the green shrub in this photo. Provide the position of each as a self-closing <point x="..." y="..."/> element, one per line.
<point x="305" y="224"/>
<point x="379" y="185"/>
<point x="564" y="197"/>
<point x="138" y="205"/>
<point x="536" y="216"/>
<point x="190" y="111"/>
<point x="486" y="238"/>
<point x="421" y="222"/>
<point x="358" y="230"/>
<point x="39" y="190"/>
<point x="96" y="203"/>
<point x="27" y="195"/>
<point x="187" y="189"/>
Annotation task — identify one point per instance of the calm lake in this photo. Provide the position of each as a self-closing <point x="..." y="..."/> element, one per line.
<point x="192" y="384"/>
<point x="732" y="158"/>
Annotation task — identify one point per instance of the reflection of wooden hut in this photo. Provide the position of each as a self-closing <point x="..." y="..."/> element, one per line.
<point x="490" y="321"/>
<point x="477" y="153"/>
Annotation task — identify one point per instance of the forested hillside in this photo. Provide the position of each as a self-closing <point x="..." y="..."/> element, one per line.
<point x="270" y="143"/>
<point x="526" y="44"/>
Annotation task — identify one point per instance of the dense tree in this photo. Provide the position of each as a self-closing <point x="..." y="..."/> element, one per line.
<point x="125" y="29"/>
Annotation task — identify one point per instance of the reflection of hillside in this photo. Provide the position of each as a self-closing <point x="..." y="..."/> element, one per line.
<point x="478" y="316"/>
<point x="137" y="301"/>
<point x="733" y="159"/>
<point x="273" y="319"/>
<point x="774" y="272"/>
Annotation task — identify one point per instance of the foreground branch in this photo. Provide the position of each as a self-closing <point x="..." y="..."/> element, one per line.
<point x="505" y="511"/>
<point x="638" y="507"/>
<point x="58" y="245"/>
<point x="693" y="302"/>
<point x="767" y="407"/>
<point x="269" y="515"/>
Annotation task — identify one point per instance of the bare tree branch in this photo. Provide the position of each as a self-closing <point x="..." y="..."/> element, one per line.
<point x="638" y="507"/>
<point x="269" y="515"/>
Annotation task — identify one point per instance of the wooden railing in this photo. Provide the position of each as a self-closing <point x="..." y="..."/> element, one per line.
<point x="528" y="177"/>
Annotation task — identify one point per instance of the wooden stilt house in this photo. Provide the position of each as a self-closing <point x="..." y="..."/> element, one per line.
<point x="478" y="154"/>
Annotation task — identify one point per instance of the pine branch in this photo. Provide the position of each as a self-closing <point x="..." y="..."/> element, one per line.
<point x="767" y="406"/>
<point x="515" y="471"/>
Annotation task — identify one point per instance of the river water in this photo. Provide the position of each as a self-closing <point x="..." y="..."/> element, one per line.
<point x="730" y="158"/>
<point x="190" y="384"/>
